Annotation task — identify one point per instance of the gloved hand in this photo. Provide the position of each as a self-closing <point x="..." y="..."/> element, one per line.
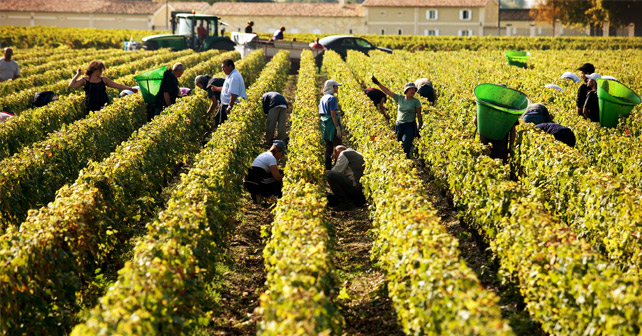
<point x="375" y="80"/>
<point x="339" y="132"/>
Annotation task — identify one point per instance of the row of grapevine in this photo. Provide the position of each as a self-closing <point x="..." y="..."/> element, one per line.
<point x="35" y="124"/>
<point x="160" y="291"/>
<point x="23" y="99"/>
<point x="568" y="286"/>
<point x="433" y="290"/>
<point x="455" y="43"/>
<point x="76" y="38"/>
<point x="65" y="70"/>
<point x="300" y="273"/>
<point x="100" y="209"/>
<point x="38" y="56"/>
<point x="598" y="206"/>
<point x="40" y="62"/>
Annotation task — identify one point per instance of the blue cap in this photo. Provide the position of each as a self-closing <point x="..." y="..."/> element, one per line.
<point x="281" y="145"/>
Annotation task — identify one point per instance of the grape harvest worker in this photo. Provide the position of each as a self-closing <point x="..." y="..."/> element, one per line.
<point x="9" y="69"/>
<point x="425" y="89"/>
<point x="408" y="114"/>
<point x="248" y="28"/>
<point x="330" y="122"/>
<point x="536" y="114"/>
<point x="4" y="116"/>
<point x="43" y="98"/>
<point x="95" y="86"/>
<point x="499" y="148"/>
<point x="378" y="99"/>
<point x="275" y="107"/>
<point x="206" y="83"/>
<point x="232" y="90"/>
<point x="561" y="133"/>
<point x="585" y="69"/>
<point x="169" y="90"/>
<point x="278" y="34"/>
<point x="345" y="179"/>
<point x="591" y="109"/>
<point x="264" y="178"/>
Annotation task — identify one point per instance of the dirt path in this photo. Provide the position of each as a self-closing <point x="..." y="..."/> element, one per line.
<point x="477" y="255"/>
<point x="367" y="310"/>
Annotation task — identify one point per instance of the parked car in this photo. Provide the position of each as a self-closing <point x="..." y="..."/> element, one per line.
<point x="342" y="43"/>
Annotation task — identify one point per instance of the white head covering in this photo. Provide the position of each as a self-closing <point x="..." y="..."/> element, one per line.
<point x="553" y="86"/>
<point x="328" y="87"/>
<point x="571" y="76"/>
<point x="594" y="75"/>
<point x="610" y="77"/>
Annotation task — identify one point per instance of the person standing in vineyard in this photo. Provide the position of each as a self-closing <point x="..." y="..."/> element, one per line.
<point x="408" y="114"/>
<point x="330" y="121"/>
<point x="591" y="109"/>
<point x="95" y="86"/>
<point x="585" y="69"/>
<point x="233" y="89"/>
<point x="169" y="89"/>
<point x="9" y="69"/>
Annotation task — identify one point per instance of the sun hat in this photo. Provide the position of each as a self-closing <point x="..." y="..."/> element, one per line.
<point x="594" y="76"/>
<point x="610" y="77"/>
<point x="328" y="86"/>
<point x="587" y="67"/>
<point x="553" y="86"/>
<point x="571" y="76"/>
<point x="280" y="145"/>
<point x="410" y="85"/>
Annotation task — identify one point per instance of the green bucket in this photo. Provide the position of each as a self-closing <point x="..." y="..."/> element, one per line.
<point x="498" y="108"/>
<point x="517" y="58"/>
<point x="150" y="82"/>
<point x="615" y="99"/>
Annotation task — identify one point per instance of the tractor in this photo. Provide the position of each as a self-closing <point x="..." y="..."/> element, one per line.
<point x="195" y="31"/>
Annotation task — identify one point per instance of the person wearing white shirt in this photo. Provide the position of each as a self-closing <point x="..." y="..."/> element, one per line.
<point x="233" y="89"/>
<point x="345" y="179"/>
<point x="264" y="178"/>
<point x="9" y="69"/>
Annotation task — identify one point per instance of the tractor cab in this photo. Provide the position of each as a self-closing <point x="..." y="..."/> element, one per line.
<point x="195" y="31"/>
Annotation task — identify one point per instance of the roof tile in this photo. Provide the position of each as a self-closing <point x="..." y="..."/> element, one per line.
<point x="78" y="6"/>
<point x="425" y="3"/>
<point x="284" y="9"/>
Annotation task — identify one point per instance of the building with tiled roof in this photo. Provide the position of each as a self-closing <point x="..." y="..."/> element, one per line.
<point x="144" y="15"/>
<point x="521" y="22"/>
<point x="431" y="17"/>
<point x="296" y="17"/>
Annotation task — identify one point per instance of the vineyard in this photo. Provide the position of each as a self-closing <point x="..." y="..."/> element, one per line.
<point x="115" y="225"/>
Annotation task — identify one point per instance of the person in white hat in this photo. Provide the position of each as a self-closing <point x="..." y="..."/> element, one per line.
<point x="330" y="121"/>
<point x="408" y="114"/>
<point x="591" y="109"/>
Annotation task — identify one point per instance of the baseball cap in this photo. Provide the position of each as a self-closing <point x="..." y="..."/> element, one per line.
<point x="587" y="67"/>
<point x="281" y="145"/>
<point x="410" y="85"/>
<point x="594" y="75"/>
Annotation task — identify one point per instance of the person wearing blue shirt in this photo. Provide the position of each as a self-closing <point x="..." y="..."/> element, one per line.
<point x="233" y="89"/>
<point x="330" y="121"/>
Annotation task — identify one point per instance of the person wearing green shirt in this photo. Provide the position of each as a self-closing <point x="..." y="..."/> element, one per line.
<point x="408" y="114"/>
